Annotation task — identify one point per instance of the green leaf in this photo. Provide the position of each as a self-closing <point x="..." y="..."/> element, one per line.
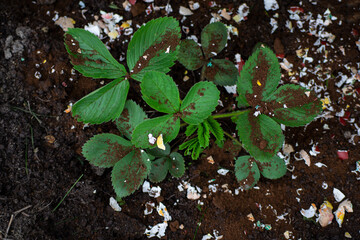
<point x="190" y="54"/>
<point x="203" y="135"/>
<point x="190" y="129"/>
<point x="213" y="38"/>
<point x="159" y="169"/>
<point x="246" y="171"/>
<point x="160" y="92"/>
<point x="104" y="150"/>
<point x="191" y="147"/>
<point x="199" y="102"/>
<point x="103" y="104"/>
<point x="129" y="173"/>
<point x="292" y="107"/>
<point x="188" y="144"/>
<point x="274" y="169"/>
<point x="177" y="165"/>
<point x="215" y="128"/>
<point x="167" y="125"/>
<point x="90" y="56"/>
<point x="153" y="47"/>
<point x="132" y="115"/>
<point x="157" y="152"/>
<point x="222" y="72"/>
<point x="260" y="76"/>
<point x="261" y="136"/>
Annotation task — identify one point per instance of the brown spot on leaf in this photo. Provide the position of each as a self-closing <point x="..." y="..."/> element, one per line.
<point x="169" y="39"/>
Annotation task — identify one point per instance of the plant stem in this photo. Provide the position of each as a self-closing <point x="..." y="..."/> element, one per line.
<point x="226" y="115"/>
<point x="232" y="138"/>
<point x="222" y="115"/>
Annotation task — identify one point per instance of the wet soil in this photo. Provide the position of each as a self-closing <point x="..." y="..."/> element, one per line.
<point x="40" y="145"/>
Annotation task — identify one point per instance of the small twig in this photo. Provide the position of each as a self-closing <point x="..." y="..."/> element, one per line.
<point x="26" y="156"/>
<point x="23" y="209"/>
<point x="12" y="219"/>
<point x="9" y="225"/>
<point x="68" y="192"/>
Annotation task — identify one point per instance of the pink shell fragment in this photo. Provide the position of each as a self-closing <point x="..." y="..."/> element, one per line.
<point x="343" y="154"/>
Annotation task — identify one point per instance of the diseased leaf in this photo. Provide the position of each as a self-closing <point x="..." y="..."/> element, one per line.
<point x="129" y="173"/>
<point x="153" y="47"/>
<point x="132" y="115"/>
<point x="177" y="165"/>
<point x="159" y="169"/>
<point x="203" y="133"/>
<point x="259" y="76"/>
<point x="199" y="102"/>
<point x="157" y="152"/>
<point x="222" y="72"/>
<point x="90" y="56"/>
<point x="215" y="129"/>
<point x="274" y="169"/>
<point x="190" y="54"/>
<point x="246" y="172"/>
<point x="213" y="38"/>
<point x="160" y="92"/>
<point x="293" y="105"/>
<point x="167" y="125"/>
<point x="106" y="149"/>
<point x="261" y="136"/>
<point x="103" y="104"/>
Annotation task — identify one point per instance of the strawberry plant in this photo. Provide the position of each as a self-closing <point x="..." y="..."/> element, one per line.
<point x="266" y="108"/>
<point x="213" y="40"/>
<point x="142" y="150"/>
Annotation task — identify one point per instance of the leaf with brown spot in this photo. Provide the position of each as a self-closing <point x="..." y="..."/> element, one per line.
<point x="167" y="125"/>
<point x="246" y="171"/>
<point x="90" y="56"/>
<point x="105" y="150"/>
<point x="160" y="92"/>
<point x="129" y="173"/>
<point x="292" y="107"/>
<point x="159" y="169"/>
<point x="213" y="38"/>
<point x="199" y="103"/>
<point x="274" y="169"/>
<point x="132" y="116"/>
<point x="260" y="76"/>
<point x="153" y="47"/>
<point x="261" y="136"/>
<point x="177" y="165"/>
<point x="190" y="54"/>
<point x="222" y="72"/>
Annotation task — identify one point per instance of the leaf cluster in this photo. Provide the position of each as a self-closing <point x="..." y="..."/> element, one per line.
<point x="142" y="151"/>
<point x="154" y="47"/>
<point x="268" y="106"/>
<point x="213" y="40"/>
<point x="200" y="137"/>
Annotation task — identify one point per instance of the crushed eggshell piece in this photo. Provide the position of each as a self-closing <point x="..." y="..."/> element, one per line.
<point x="338" y="195"/>
<point x="114" y="204"/>
<point x="309" y="213"/>
<point x="210" y="160"/>
<point x="306" y="157"/>
<point x="325" y="214"/>
<point x="160" y="142"/>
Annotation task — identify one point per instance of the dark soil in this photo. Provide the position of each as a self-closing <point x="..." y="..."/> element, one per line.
<point x="40" y="145"/>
